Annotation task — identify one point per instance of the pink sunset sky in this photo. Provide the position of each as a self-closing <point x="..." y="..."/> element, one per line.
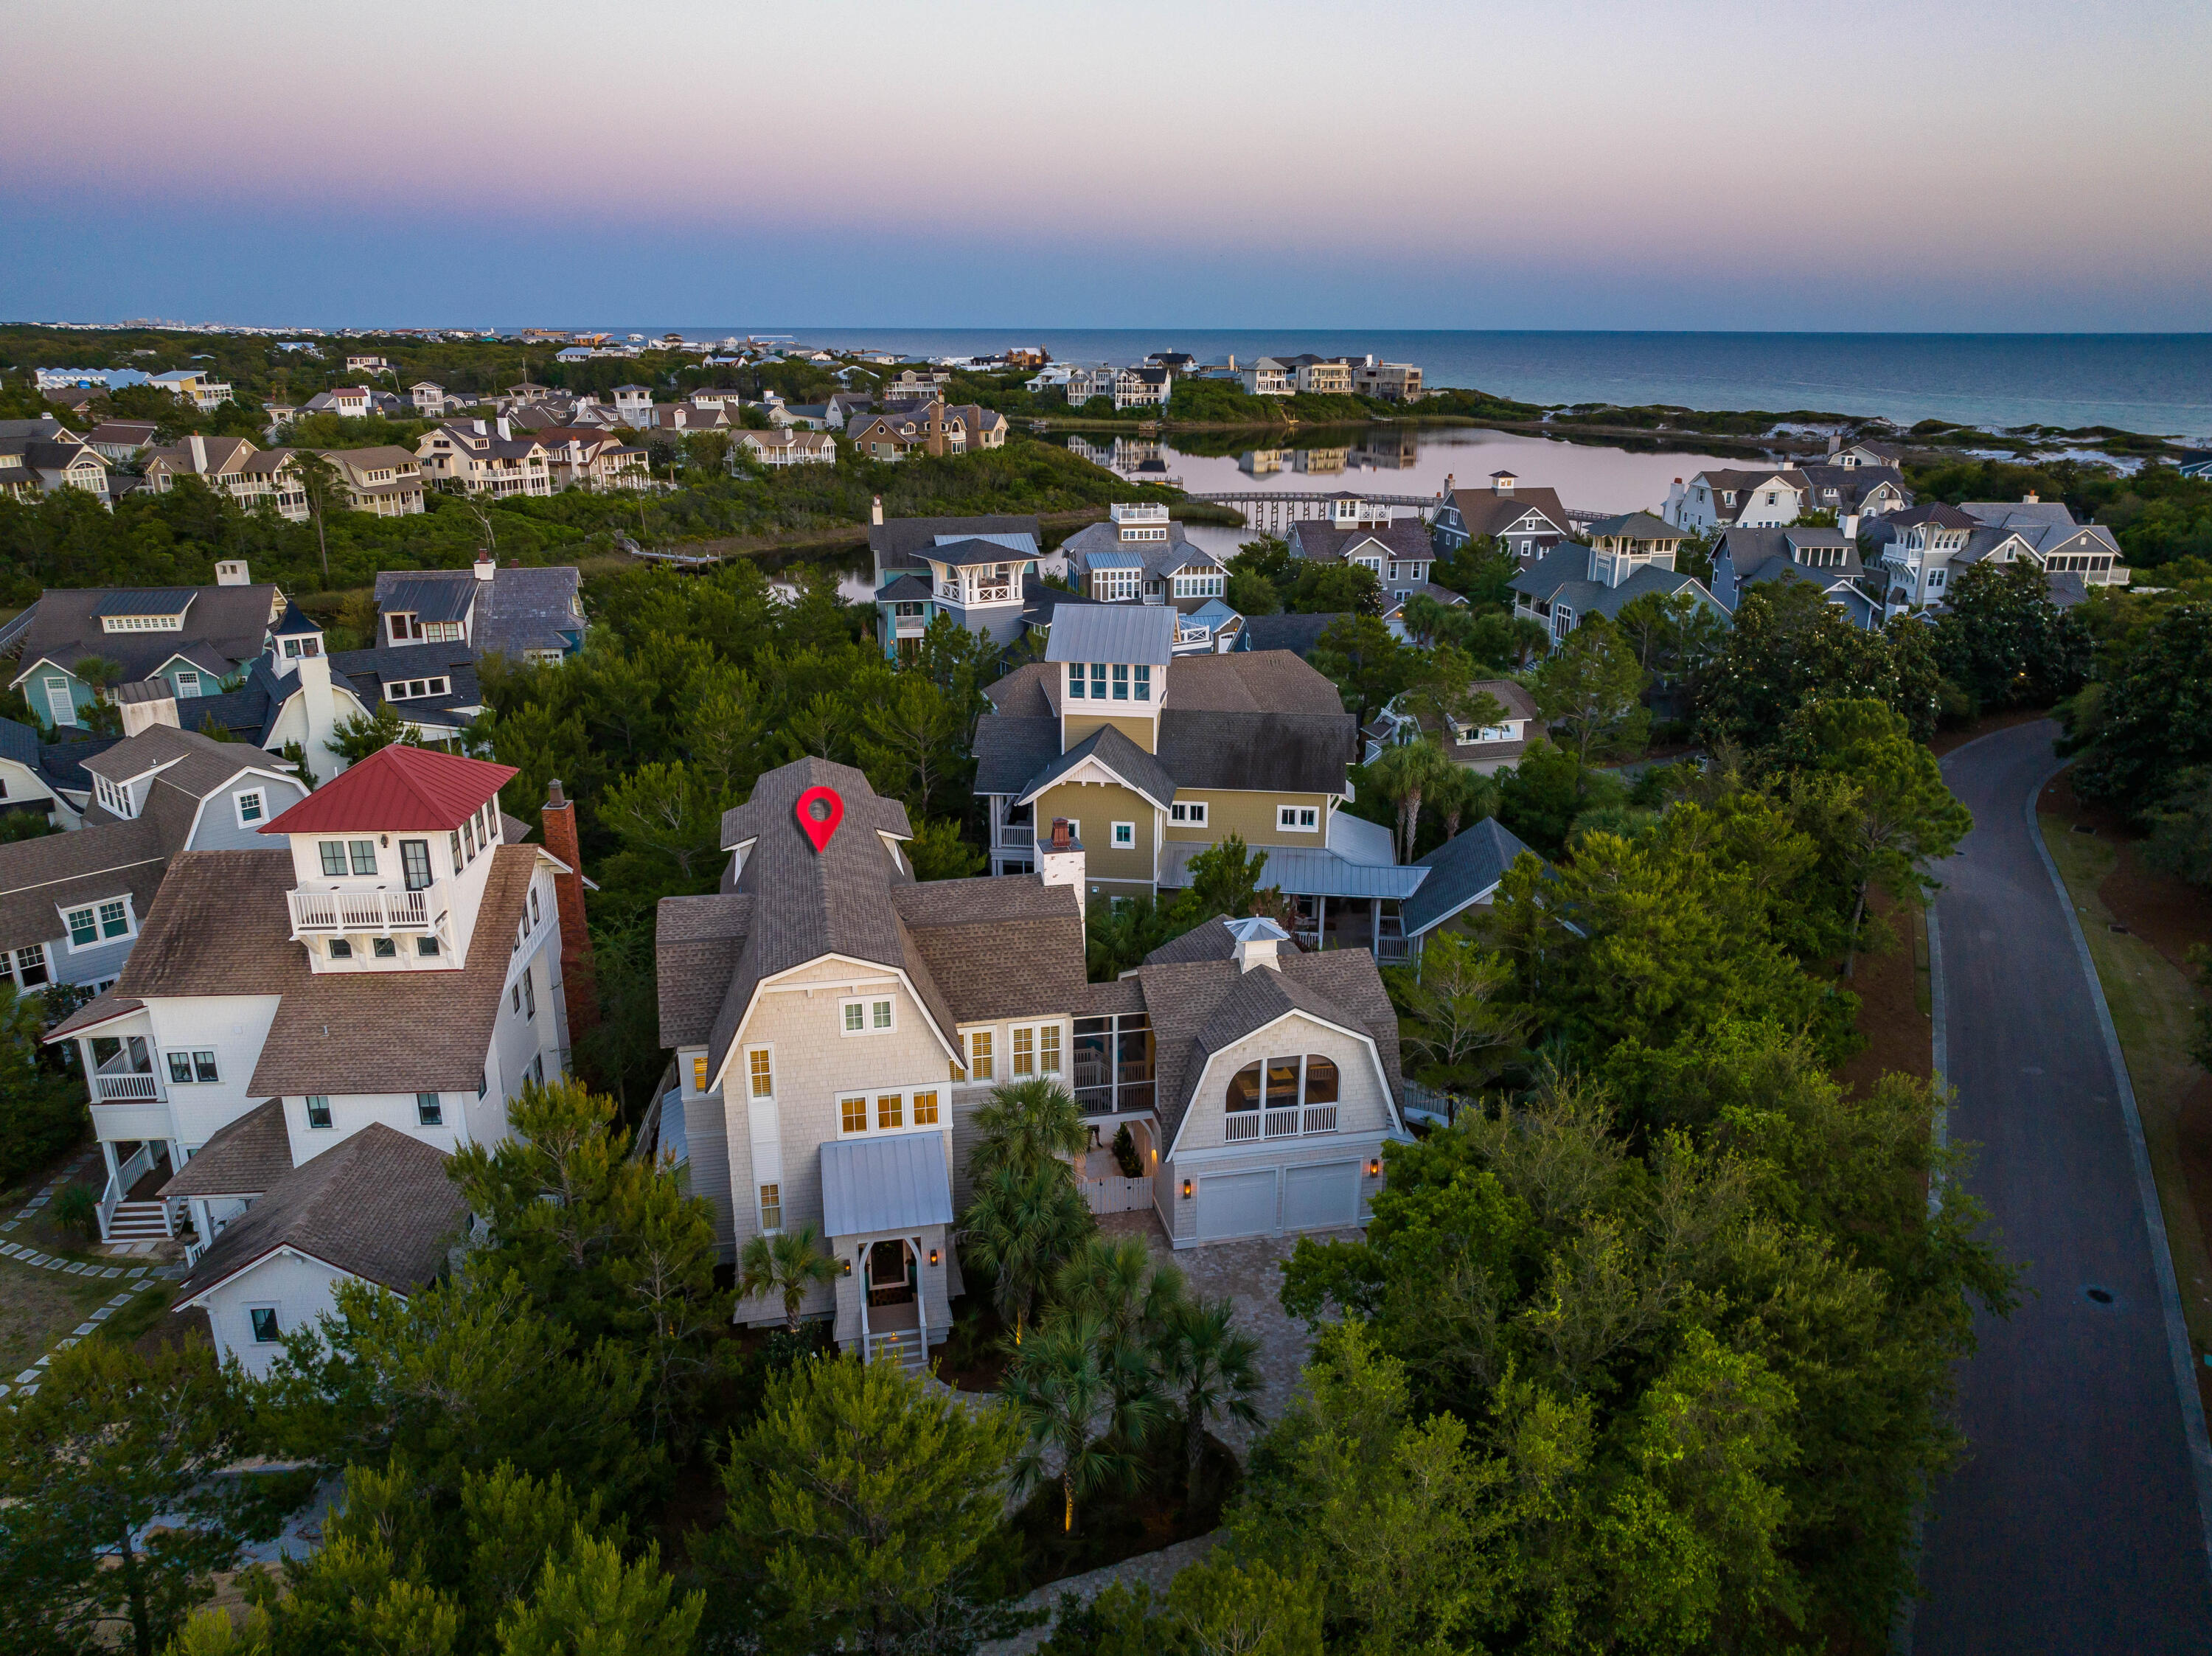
<point x="1931" y="165"/>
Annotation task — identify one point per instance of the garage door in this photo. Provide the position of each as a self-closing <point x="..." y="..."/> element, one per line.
<point x="1236" y="1205"/>
<point x="1317" y="1197"/>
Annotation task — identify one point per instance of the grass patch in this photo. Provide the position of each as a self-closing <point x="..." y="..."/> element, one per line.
<point x="2154" y="1008"/>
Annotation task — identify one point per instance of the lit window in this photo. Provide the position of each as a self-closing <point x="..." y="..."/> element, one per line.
<point x="925" y="1109"/>
<point x="771" y="1207"/>
<point x="319" y="1111"/>
<point x="852" y="1115"/>
<point x="1025" y="1051"/>
<point x="758" y="1063"/>
<point x="428" y="1112"/>
<point x="1048" y="1049"/>
<point x="979" y="1055"/>
<point x="890" y="1111"/>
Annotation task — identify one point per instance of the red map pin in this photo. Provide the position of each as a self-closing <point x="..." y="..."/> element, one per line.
<point x="819" y="810"/>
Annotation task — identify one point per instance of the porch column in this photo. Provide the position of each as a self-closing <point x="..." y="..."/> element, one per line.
<point x="1321" y="925"/>
<point x="920" y="1298"/>
<point x="1375" y="904"/>
<point x="107" y="1152"/>
<point x="860" y="1271"/>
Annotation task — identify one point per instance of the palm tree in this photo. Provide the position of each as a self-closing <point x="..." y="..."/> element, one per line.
<point x="784" y="1261"/>
<point x="1214" y="1368"/>
<point x="1062" y="1390"/>
<point x="1402" y="775"/>
<point x="1026" y="1126"/>
<point x="1019" y="1227"/>
<point x="1134" y="1296"/>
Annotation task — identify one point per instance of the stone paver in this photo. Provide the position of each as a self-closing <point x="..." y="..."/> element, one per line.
<point x="1151" y="1569"/>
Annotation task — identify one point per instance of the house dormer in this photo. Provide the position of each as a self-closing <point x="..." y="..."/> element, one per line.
<point x="977" y="571"/>
<point x="1348" y="511"/>
<point x="1502" y="482"/>
<point x="146" y="610"/>
<point x="293" y="638"/>
<point x="1112" y="662"/>
<point x="390" y="861"/>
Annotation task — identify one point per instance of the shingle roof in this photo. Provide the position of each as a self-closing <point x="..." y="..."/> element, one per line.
<point x="1636" y="526"/>
<point x="805" y="904"/>
<point x="403" y="789"/>
<point x="40" y="878"/>
<point x="1486" y="512"/>
<point x="1403" y="538"/>
<point x="1201" y="1007"/>
<point x="898" y="543"/>
<point x="229" y="624"/>
<point x="220" y="926"/>
<point x="1459" y="871"/>
<point x="1118" y="754"/>
<point x="516" y="609"/>
<point x="696" y="941"/>
<point x="1010" y="751"/>
<point x="969" y="931"/>
<point x="377" y="1205"/>
<point x="1209" y="941"/>
<point x="1297" y="634"/>
<point x="975" y="549"/>
<point x="243" y="1159"/>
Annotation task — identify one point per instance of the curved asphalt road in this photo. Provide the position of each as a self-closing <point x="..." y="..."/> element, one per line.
<point x="2075" y="1524"/>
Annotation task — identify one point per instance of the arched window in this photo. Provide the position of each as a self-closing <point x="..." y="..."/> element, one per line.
<point x="1321" y="1079"/>
<point x="1244" y="1090"/>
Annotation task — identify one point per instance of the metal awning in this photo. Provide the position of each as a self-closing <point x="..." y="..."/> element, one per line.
<point x="896" y="1183"/>
<point x="1306" y="873"/>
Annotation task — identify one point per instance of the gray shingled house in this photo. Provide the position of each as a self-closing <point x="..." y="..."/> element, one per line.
<point x="836" y="1025"/>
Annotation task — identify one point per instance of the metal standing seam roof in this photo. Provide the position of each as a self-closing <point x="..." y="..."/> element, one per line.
<point x="897" y="1183"/>
<point x="1302" y="872"/>
<point x="430" y="600"/>
<point x="1114" y="632"/>
<point x="147" y="601"/>
<point x="1020" y="541"/>
<point x="1116" y="557"/>
<point x="399" y="788"/>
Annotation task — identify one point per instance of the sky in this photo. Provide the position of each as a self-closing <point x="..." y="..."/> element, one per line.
<point x="2036" y="166"/>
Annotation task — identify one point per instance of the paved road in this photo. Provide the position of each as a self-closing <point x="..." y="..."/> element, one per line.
<point x="2074" y="1524"/>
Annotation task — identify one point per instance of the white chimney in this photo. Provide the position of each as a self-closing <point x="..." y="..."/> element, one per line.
<point x="1256" y="940"/>
<point x="875" y="510"/>
<point x="150" y="702"/>
<point x="320" y="703"/>
<point x="2031" y="498"/>
<point x="231" y="572"/>
<point x="480" y="427"/>
<point x="1060" y="857"/>
<point x="487" y="566"/>
<point x="502" y="426"/>
<point x="199" y="452"/>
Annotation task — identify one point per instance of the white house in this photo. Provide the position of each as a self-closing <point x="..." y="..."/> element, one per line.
<point x="391" y="968"/>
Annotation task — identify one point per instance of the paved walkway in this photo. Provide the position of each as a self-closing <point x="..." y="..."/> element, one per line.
<point x="2075" y="1524"/>
<point x="1151" y="1569"/>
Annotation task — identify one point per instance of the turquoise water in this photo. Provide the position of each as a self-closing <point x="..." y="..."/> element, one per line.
<point x="2160" y="383"/>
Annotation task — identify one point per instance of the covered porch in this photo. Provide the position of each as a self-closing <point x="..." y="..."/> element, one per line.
<point x="1346" y="894"/>
<point x="887" y="1209"/>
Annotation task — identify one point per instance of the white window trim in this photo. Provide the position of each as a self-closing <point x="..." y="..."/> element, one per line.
<point x="1036" y="1032"/>
<point x="1286" y="819"/>
<point x="1190" y="812"/>
<point x="100" y="939"/>
<point x="967" y="1042"/>
<point x="259" y="796"/>
<point x="868" y="1016"/>
<point x="275" y="1308"/>
<point x="1114" y="839"/>
<point x="746" y="1055"/>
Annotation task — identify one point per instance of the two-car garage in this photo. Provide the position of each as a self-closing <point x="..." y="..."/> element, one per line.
<point x="1319" y="1196"/>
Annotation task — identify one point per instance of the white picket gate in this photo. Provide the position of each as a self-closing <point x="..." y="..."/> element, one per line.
<point x="1117" y="1195"/>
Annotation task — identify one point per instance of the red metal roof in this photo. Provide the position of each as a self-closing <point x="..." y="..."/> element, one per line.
<point x="408" y="789"/>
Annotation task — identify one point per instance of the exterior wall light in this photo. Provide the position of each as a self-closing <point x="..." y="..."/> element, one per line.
<point x="848" y="1267"/>
<point x="1185" y="1190"/>
<point x="1374" y="1166"/>
<point x="932" y="1256"/>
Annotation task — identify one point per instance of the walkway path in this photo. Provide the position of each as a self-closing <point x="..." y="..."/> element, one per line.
<point x="2077" y="1524"/>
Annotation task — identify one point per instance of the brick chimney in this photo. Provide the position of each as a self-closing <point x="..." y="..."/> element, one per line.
<point x="579" y="984"/>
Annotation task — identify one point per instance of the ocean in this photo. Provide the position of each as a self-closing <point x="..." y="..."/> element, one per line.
<point x="2157" y="383"/>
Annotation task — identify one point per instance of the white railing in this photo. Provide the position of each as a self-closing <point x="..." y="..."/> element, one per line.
<point x="1118" y="1195"/>
<point x="1283" y="1124"/>
<point x="126" y="1087"/>
<point x="359" y="911"/>
<point x="1242" y="1124"/>
<point x="1320" y="1118"/>
<point x="110" y="1199"/>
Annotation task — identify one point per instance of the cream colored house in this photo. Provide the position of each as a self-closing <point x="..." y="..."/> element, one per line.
<point x="836" y="1026"/>
<point x="233" y="467"/>
<point x="383" y="480"/>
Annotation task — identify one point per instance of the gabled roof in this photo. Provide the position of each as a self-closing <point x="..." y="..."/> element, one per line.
<point x="1461" y="871"/>
<point x="1138" y="770"/>
<point x="229" y="624"/>
<point x="1489" y="511"/>
<point x="1942" y="514"/>
<point x="901" y="541"/>
<point x="377" y="1205"/>
<point x="399" y="788"/>
<point x="1635" y="525"/>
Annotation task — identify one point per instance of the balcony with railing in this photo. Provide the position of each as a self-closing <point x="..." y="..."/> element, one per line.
<point x="327" y="914"/>
<point x="128" y="1077"/>
<point x="1293" y="1122"/>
